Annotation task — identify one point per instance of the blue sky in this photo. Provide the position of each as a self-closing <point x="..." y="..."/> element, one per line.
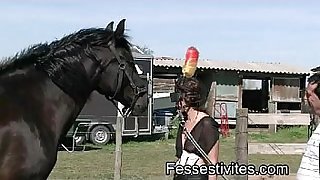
<point x="284" y="31"/>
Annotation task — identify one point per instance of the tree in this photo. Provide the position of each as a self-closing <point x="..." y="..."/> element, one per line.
<point x="143" y="49"/>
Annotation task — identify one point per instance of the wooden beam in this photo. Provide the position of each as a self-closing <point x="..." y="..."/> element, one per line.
<point x="211" y="99"/>
<point x="118" y="158"/>
<point x="242" y="140"/>
<point x="240" y="91"/>
<point x="279" y="119"/>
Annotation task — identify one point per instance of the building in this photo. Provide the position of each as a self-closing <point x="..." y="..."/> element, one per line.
<point x="263" y="88"/>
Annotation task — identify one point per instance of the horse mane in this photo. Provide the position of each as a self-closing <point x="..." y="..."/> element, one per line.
<point x="25" y="57"/>
<point x="62" y="47"/>
<point x="61" y="59"/>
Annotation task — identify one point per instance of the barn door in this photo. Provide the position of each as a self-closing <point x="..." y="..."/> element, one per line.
<point x="285" y="90"/>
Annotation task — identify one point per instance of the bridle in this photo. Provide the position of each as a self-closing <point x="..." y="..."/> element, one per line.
<point x="122" y="70"/>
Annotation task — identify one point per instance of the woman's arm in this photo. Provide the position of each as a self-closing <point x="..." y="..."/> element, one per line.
<point x="209" y="140"/>
<point x="213" y="155"/>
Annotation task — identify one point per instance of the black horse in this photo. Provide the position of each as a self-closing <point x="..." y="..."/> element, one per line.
<point x="44" y="88"/>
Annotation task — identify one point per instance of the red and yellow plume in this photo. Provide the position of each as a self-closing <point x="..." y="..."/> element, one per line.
<point x="190" y="63"/>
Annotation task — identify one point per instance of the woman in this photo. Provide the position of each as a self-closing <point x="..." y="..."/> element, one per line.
<point x="202" y="127"/>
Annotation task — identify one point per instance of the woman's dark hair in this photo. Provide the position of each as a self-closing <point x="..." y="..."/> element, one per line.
<point x="190" y="89"/>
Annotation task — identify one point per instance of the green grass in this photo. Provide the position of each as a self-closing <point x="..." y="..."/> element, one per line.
<point x="283" y="135"/>
<point x="141" y="160"/>
<point x="145" y="158"/>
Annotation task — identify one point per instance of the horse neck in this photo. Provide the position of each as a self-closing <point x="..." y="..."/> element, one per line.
<point x="46" y="104"/>
<point x="65" y="108"/>
<point x="70" y="75"/>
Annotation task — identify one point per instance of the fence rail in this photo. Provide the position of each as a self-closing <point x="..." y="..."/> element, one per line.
<point x="279" y="119"/>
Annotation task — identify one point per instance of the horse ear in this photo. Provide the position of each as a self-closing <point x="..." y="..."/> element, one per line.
<point x="120" y="28"/>
<point x="110" y="26"/>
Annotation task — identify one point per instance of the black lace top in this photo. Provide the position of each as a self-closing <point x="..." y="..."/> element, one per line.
<point x="205" y="132"/>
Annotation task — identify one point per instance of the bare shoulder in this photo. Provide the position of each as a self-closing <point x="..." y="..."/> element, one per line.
<point x="202" y="115"/>
<point x="209" y="121"/>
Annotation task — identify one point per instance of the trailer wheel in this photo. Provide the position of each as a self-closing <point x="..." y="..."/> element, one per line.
<point x="100" y="135"/>
<point x="79" y="140"/>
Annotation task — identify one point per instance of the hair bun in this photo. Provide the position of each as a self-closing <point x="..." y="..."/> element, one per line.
<point x="191" y="91"/>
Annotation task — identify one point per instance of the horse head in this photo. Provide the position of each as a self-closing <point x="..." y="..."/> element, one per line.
<point x="119" y="79"/>
<point x="97" y="59"/>
<point x="44" y="88"/>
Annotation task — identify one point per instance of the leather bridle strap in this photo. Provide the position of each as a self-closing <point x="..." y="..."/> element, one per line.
<point x="121" y="70"/>
<point x="122" y="66"/>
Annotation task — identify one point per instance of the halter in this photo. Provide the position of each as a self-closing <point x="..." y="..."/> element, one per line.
<point x="138" y="91"/>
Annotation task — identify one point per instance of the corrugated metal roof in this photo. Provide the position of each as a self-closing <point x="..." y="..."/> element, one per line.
<point x="141" y="56"/>
<point x="236" y="66"/>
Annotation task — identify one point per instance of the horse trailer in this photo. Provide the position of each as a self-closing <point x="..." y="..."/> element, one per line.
<point x="96" y="122"/>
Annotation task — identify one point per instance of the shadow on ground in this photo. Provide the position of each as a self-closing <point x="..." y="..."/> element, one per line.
<point x="145" y="138"/>
<point x="87" y="147"/>
<point x="67" y="143"/>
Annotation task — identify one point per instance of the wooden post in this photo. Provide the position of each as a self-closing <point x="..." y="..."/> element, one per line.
<point x="240" y="90"/>
<point x="242" y="139"/>
<point x="118" y="159"/>
<point x="273" y="108"/>
<point x="272" y="128"/>
<point x="211" y="99"/>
